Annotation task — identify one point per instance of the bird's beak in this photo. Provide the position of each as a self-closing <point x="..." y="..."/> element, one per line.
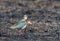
<point x="30" y="22"/>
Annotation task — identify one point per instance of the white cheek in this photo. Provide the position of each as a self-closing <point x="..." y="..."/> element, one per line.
<point x="25" y="17"/>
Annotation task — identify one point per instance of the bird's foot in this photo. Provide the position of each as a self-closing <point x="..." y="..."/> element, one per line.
<point x="20" y="32"/>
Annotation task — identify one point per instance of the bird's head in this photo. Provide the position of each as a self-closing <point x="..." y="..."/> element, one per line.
<point x="25" y="17"/>
<point x="29" y="22"/>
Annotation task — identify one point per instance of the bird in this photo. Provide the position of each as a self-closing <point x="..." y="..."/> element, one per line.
<point x="21" y="24"/>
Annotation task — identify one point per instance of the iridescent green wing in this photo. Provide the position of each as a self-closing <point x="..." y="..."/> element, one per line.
<point x="19" y="25"/>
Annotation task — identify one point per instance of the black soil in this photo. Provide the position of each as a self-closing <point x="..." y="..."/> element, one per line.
<point x="45" y="15"/>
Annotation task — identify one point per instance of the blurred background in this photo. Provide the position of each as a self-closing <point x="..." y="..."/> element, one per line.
<point x="45" y="15"/>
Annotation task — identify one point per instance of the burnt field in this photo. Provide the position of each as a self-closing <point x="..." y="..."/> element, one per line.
<point x="44" y="13"/>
